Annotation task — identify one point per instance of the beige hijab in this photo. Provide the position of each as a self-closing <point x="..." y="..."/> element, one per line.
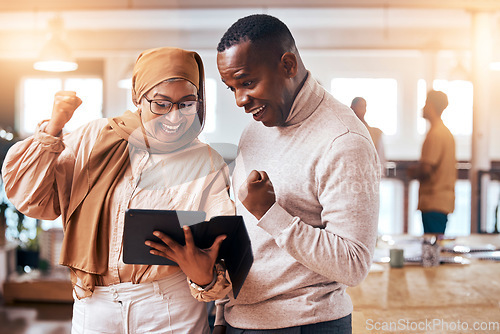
<point x="85" y="248"/>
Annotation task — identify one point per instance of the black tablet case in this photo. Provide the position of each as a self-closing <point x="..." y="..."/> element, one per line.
<point x="236" y="250"/>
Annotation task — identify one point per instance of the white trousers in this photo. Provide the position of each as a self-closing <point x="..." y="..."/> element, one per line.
<point x="164" y="306"/>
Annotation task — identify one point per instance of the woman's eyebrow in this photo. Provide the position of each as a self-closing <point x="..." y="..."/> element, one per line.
<point x="169" y="98"/>
<point x="161" y="95"/>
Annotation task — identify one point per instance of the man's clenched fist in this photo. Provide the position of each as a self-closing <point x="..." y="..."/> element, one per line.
<point x="257" y="193"/>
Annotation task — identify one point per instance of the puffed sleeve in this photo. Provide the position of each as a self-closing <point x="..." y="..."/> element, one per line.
<point x="38" y="171"/>
<point x="217" y="290"/>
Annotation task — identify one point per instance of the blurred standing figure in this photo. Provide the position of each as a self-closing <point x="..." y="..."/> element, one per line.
<point x="436" y="169"/>
<point x="358" y="105"/>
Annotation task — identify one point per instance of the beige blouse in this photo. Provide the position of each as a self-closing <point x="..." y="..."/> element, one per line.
<point x="39" y="173"/>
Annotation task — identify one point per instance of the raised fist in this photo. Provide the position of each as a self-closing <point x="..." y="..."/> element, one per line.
<point x="65" y="104"/>
<point x="257" y="193"/>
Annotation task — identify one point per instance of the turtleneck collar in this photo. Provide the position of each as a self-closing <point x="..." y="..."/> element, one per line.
<point x="307" y="100"/>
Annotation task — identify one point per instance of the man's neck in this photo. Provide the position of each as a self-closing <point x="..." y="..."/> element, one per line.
<point x="301" y="80"/>
<point x="435" y="121"/>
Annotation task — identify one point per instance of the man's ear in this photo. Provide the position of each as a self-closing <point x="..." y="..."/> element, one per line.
<point x="289" y="62"/>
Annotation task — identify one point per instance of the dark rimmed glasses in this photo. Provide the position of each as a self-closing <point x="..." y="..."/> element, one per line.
<point x="162" y="107"/>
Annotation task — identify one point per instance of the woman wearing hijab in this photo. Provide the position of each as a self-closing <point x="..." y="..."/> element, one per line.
<point x="147" y="159"/>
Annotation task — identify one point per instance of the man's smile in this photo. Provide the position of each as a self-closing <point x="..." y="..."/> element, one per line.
<point x="258" y="112"/>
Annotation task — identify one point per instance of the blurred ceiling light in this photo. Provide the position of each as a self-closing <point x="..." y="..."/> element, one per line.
<point x="7" y="135"/>
<point x="55" y="55"/>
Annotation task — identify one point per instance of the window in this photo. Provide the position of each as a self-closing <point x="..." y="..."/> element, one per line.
<point x="458" y="116"/>
<point x="38" y="98"/>
<point x="391" y="206"/>
<point x="493" y="206"/>
<point x="381" y="97"/>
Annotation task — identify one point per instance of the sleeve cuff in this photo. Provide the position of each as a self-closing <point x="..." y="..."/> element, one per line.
<point x="55" y="143"/>
<point x="214" y="290"/>
<point x="206" y="287"/>
<point x="219" y="317"/>
<point x="275" y="220"/>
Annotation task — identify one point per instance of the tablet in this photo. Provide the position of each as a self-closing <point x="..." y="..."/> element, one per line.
<point x="139" y="226"/>
<point x="235" y="250"/>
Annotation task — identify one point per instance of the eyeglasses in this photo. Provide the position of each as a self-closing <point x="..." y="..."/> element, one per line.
<point x="162" y="107"/>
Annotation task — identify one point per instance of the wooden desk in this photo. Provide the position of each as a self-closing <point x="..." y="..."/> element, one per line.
<point x="414" y="299"/>
<point x="38" y="291"/>
<point x="52" y="288"/>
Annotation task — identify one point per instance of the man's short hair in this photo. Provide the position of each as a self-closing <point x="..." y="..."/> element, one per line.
<point x="356" y="100"/>
<point x="438" y="99"/>
<point x="258" y="28"/>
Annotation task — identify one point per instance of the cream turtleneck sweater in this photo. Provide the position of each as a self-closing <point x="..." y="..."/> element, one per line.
<point x="320" y="235"/>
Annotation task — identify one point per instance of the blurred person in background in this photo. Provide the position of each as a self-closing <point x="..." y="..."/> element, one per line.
<point x="358" y="105"/>
<point x="436" y="169"/>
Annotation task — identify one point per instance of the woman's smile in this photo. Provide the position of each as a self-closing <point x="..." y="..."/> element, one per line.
<point x="172" y="125"/>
